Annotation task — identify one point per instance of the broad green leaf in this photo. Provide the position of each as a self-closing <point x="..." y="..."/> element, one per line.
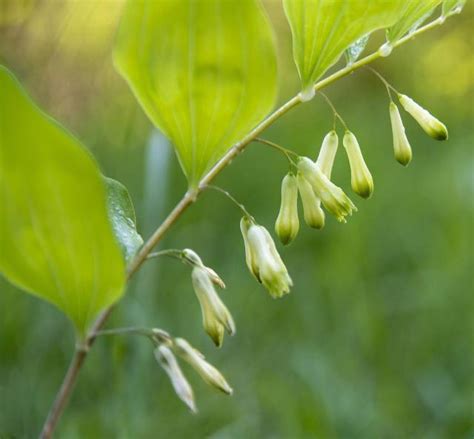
<point x="122" y="217"/>
<point x="414" y="14"/>
<point x="204" y="72"/>
<point x="453" y="7"/>
<point x="56" y="240"/>
<point x="323" y="29"/>
<point x="354" y="50"/>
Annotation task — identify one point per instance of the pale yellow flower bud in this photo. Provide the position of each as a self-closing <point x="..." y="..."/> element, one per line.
<point x="183" y="389"/>
<point x="313" y="214"/>
<point x="432" y="126"/>
<point x="197" y="360"/>
<point x="333" y="197"/>
<point x="327" y="154"/>
<point x="215" y="315"/>
<point x="250" y="259"/>
<point x="401" y="145"/>
<point x="266" y="263"/>
<point x="361" y="179"/>
<point x="287" y="223"/>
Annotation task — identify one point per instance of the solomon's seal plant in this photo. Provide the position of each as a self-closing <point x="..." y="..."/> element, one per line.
<point x="68" y="234"/>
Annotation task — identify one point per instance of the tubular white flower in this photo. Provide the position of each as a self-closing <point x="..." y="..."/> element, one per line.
<point x="432" y="126"/>
<point x="327" y="154"/>
<point x="197" y="360"/>
<point x="250" y="258"/>
<point x="313" y="214"/>
<point x="401" y="145"/>
<point x="215" y="315"/>
<point x="182" y="388"/>
<point x="333" y="197"/>
<point x="287" y="223"/>
<point x="361" y="179"/>
<point x="265" y="260"/>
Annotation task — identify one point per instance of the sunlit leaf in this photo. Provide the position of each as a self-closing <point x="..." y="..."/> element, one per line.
<point x="453" y="6"/>
<point x="323" y="29"/>
<point x="56" y="240"/>
<point x="204" y="72"/>
<point x="354" y="50"/>
<point x="122" y="217"/>
<point x="414" y="14"/>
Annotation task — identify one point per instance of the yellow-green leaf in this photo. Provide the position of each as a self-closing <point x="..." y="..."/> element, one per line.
<point x="56" y="240"/>
<point x="323" y="29"/>
<point x="203" y="71"/>
<point x="414" y="14"/>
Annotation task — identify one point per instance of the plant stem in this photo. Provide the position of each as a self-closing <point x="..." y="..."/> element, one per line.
<point x="231" y="198"/>
<point x="333" y="108"/>
<point x="172" y="253"/>
<point x="126" y="331"/>
<point x="286" y="152"/>
<point x="189" y="198"/>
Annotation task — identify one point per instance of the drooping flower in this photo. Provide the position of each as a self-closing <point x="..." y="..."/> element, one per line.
<point x="250" y="258"/>
<point x="263" y="259"/>
<point x="361" y="179"/>
<point x="287" y="223"/>
<point x="327" y="154"/>
<point x="313" y="214"/>
<point x="197" y="360"/>
<point x="432" y="126"/>
<point x="182" y="388"/>
<point x="333" y="197"/>
<point x="215" y="315"/>
<point x="401" y="145"/>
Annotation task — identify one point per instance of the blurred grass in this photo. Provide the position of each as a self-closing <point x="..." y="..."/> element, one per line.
<point x="376" y="339"/>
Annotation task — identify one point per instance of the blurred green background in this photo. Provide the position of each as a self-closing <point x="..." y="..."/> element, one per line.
<point x="376" y="338"/>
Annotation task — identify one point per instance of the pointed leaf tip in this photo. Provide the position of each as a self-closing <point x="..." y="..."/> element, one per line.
<point x="204" y="72"/>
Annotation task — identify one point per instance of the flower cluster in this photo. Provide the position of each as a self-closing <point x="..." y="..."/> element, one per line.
<point x="314" y="185"/>
<point x="313" y="178"/>
<point x="311" y="181"/>
<point x="166" y="350"/>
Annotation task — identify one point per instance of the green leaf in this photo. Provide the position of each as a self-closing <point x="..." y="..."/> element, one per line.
<point x="122" y="217"/>
<point x="55" y="236"/>
<point x="453" y="7"/>
<point x="414" y="14"/>
<point x="354" y="50"/>
<point x="323" y="29"/>
<point x="204" y="72"/>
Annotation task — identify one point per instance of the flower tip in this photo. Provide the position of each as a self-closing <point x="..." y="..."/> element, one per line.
<point x="192" y="406"/>
<point x="404" y="160"/>
<point x="284" y="237"/>
<point x="441" y="133"/>
<point x="227" y="389"/>
<point x="230" y="325"/>
<point x="365" y="191"/>
<point x="217" y="337"/>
